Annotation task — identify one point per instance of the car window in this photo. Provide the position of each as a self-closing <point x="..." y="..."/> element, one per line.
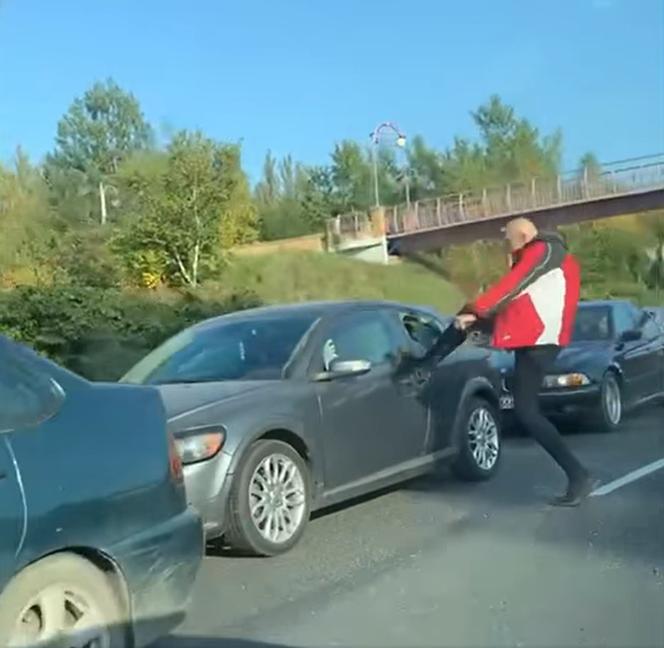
<point x="423" y="331"/>
<point x="27" y="395"/>
<point x="624" y="318"/>
<point x="659" y="318"/>
<point x="649" y="325"/>
<point x="363" y="336"/>
<point x="593" y="323"/>
<point x="251" y="349"/>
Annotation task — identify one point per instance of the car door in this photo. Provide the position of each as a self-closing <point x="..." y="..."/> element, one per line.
<point x="653" y="353"/>
<point x="437" y="382"/>
<point x="633" y="356"/>
<point x="373" y="422"/>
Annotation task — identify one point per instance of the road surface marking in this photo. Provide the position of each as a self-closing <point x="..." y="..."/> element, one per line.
<point x="630" y="477"/>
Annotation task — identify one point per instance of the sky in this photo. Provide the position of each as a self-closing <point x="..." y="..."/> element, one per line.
<point x="296" y="76"/>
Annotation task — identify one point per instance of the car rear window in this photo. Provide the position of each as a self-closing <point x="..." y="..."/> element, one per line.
<point x="27" y="394"/>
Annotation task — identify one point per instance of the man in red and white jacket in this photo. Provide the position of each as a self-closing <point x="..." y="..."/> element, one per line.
<point x="533" y="309"/>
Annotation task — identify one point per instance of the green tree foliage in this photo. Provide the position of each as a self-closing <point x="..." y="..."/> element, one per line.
<point x="292" y="199"/>
<point x="98" y="132"/>
<point x="509" y="150"/>
<point x="353" y="176"/>
<point x="429" y="176"/>
<point x="589" y="166"/>
<point x="27" y="225"/>
<point x="193" y="204"/>
<point x="102" y="333"/>
<point x="651" y="226"/>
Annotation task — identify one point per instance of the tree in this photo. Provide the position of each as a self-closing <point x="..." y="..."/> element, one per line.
<point x="353" y="176"/>
<point x="512" y="148"/>
<point x="590" y="166"/>
<point x="27" y="224"/>
<point x="192" y="204"/>
<point x="97" y="133"/>
<point x="293" y="199"/>
<point x="651" y="226"/>
<point x="427" y="171"/>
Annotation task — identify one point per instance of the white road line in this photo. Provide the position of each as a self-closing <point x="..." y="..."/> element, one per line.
<point x="630" y="477"/>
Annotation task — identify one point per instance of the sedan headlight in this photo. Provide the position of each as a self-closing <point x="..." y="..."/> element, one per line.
<point x="566" y="380"/>
<point x="199" y="444"/>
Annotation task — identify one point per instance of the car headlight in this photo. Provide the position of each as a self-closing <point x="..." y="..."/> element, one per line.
<point x="199" y="444"/>
<point x="566" y="380"/>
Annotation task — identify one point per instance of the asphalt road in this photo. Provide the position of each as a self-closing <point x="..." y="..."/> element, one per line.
<point x="440" y="563"/>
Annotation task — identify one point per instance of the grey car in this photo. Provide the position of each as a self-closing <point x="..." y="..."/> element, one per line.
<point x="280" y="411"/>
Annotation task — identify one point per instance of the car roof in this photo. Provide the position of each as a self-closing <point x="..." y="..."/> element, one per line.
<point x="306" y="309"/>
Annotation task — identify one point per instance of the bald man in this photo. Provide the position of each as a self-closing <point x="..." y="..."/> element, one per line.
<point x="534" y="307"/>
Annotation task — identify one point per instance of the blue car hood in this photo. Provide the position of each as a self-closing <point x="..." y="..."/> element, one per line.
<point x="581" y="354"/>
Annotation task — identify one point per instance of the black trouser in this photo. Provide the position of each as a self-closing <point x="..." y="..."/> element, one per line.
<point x="532" y="364"/>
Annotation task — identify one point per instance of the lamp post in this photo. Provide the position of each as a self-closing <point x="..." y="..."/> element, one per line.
<point x="375" y="140"/>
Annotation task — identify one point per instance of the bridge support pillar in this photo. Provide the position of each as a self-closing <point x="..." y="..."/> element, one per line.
<point x="379" y="230"/>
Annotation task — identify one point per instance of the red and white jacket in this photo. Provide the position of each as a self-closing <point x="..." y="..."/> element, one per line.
<point x="535" y="303"/>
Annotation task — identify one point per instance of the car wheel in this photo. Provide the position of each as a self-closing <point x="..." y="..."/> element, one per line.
<point x="609" y="413"/>
<point x="479" y="437"/>
<point x="270" y="500"/>
<point x="65" y="601"/>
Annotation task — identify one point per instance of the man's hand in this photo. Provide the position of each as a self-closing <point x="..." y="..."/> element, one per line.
<point x="462" y="322"/>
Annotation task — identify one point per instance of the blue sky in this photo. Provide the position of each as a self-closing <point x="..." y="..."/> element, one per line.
<point x="295" y="76"/>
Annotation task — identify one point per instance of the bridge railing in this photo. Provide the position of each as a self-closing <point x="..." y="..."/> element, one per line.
<point x="613" y="179"/>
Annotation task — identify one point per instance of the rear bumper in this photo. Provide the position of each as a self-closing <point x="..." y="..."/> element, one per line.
<point x="160" y="567"/>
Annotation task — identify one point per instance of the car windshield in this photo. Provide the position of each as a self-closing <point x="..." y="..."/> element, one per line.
<point x="250" y="349"/>
<point x="593" y="323"/>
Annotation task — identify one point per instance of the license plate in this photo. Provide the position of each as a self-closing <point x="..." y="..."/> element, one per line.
<point x="506" y="402"/>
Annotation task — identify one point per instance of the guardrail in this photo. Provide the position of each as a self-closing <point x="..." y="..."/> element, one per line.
<point x="610" y="180"/>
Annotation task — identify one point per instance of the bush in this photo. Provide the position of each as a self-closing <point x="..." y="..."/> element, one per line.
<point x="102" y="333"/>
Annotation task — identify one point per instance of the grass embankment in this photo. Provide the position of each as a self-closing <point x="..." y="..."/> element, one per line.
<point x="301" y="276"/>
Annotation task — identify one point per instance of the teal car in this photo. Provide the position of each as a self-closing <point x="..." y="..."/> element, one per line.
<point x="97" y="544"/>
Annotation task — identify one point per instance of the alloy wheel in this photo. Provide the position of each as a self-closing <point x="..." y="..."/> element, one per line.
<point x="483" y="438"/>
<point x="612" y="401"/>
<point x="277" y="498"/>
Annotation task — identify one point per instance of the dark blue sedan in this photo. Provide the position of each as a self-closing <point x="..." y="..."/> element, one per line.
<point x="97" y="545"/>
<point x="614" y="364"/>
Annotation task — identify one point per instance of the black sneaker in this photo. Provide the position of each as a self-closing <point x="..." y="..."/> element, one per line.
<point x="576" y="492"/>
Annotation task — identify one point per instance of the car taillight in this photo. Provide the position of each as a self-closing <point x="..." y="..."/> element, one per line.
<point x="174" y="460"/>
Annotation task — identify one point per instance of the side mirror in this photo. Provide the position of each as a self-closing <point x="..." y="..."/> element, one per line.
<point x="344" y="369"/>
<point x="632" y="335"/>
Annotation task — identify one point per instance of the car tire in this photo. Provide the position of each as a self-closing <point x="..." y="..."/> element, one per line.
<point x="479" y="436"/>
<point x="609" y="413"/>
<point x="281" y="504"/>
<point x="52" y="594"/>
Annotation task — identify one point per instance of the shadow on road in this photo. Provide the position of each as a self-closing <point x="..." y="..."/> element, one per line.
<point x="627" y="524"/>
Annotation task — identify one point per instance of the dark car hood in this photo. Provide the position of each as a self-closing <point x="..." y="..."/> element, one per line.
<point x="582" y="354"/>
<point x="184" y="398"/>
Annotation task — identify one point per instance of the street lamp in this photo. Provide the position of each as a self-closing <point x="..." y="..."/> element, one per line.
<point x="400" y="142"/>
